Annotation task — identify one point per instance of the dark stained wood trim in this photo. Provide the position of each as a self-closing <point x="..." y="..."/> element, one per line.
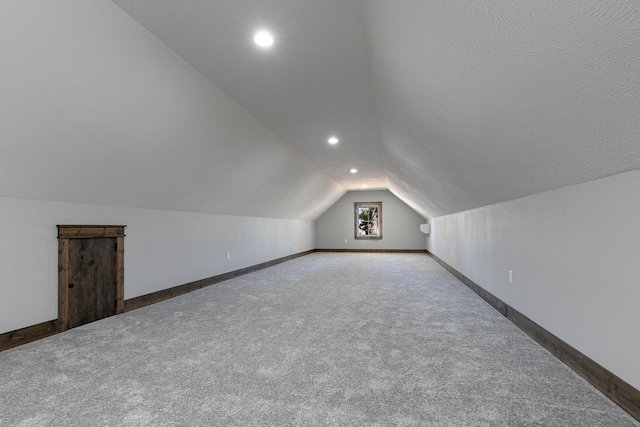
<point x="608" y="383"/>
<point x="612" y="386"/>
<point x="152" y="298"/>
<point x="491" y="299"/>
<point x="120" y="274"/>
<point x="26" y="335"/>
<point x="32" y="333"/>
<point x="389" y="251"/>
<point x="63" y="282"/>
<point x="89" y="231"/>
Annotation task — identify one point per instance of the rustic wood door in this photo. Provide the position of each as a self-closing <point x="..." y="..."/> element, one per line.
<point x="92" y="280"/>
<point x="90" y="274"/>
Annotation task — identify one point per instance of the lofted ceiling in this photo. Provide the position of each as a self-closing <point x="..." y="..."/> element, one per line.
<point x="313" y="84"/>
<point x="450" y="105"/>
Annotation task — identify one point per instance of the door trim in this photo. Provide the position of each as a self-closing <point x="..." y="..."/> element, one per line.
<point x="66" y="232"/>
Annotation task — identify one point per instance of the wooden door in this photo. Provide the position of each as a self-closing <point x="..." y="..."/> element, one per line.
<point x="91" y="274"/>
<point x="92" y="280"/>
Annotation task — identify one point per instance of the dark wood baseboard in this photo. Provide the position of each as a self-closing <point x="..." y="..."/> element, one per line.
<point x="491" y="299"/>
<point x="26" y="335"/>
<point x="387" y="251"/>
<point x="152" y="298"/>
<point x="616" y="389"/>
<point x="608" y="383"/>
<point x="42" y="330"/>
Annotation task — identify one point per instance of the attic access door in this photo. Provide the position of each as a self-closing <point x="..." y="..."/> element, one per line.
<point x="90" y="273"/>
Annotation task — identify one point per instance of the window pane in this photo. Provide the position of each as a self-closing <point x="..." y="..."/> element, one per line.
<point x="363" y="214"/>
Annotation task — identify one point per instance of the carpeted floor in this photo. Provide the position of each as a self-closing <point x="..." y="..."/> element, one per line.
<point x="326" y="339"/>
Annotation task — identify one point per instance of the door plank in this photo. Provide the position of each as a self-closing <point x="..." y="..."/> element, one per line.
<point x="63" y="284"/>
<point x="105" y="278"/>
<point x="119" y="275"/>
<point x="81" y="281"/>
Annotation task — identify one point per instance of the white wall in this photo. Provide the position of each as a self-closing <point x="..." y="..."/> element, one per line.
<point x="162" y="249"/>
<point x="400" y="224"/>
<point x="575" y="256"/>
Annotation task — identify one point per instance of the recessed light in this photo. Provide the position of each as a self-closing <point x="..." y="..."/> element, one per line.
<point x="263" y="38"/>
<point x="333" y="140"/>
<point x="354" y="170"/>
<point x="364" y="185"/>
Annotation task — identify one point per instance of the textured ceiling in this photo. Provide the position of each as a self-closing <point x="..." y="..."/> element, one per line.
<point x="480" y="102"/>
<point x="451" y="105"/>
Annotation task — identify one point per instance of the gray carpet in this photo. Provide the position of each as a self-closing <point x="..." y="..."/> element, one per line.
<point x="326" y="339"/>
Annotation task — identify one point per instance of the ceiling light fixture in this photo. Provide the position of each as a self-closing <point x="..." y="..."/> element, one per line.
<point x="263" y="38"/>
<point x="333" y="140"/>
<point x="364" y="185"/>
<point x="354" y="170"/>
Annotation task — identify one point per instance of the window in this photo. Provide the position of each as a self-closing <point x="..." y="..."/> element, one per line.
<point x="368" y="220"/>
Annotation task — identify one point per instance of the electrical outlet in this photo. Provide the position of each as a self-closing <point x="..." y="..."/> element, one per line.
<point x="228" y="255"/>
<point x="510" y="276"/>
<point x="346" y="241"/>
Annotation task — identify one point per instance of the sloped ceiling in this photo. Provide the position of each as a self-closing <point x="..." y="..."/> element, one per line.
<point x="95" y="109"/>
<point x="315" y="83"/>
<point x="451" y="105"/>
<point x="485" y="101"/>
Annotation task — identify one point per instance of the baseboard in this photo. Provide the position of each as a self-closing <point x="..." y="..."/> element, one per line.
<point x="616" y="389"/>
<point x="42" y="330"/>
<point x="26" y="335"/>
<point x="387" y="251"/>
<point x="491" y="299"/>
<point x="622" y="393"/>
<point x="152" y="298"/>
